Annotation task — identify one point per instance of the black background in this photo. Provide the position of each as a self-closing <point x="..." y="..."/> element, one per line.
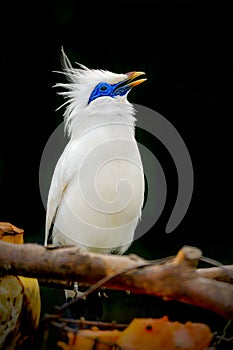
<point x="185" y="49"/>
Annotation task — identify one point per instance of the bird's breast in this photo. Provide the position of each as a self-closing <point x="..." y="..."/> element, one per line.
<point x="108" y="186"/>
<point x="102" y="202"/>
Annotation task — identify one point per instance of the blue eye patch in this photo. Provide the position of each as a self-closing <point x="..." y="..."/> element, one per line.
<point x="105" y="89"/>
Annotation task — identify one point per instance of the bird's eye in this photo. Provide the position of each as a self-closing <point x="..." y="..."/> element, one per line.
<point x="103" y="88"/>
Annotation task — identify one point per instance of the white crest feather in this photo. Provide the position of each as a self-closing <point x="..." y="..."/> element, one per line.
<point x="81" y="81"/>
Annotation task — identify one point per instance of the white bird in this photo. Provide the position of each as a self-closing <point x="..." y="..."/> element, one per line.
<point x="97" y="189"/>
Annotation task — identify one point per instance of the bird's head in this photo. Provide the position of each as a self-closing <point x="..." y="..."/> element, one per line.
<point x="89" y="88"/>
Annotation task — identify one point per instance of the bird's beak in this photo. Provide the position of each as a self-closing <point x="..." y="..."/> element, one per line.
<point x="123" y="87"/>
<point x="131" y="76"/>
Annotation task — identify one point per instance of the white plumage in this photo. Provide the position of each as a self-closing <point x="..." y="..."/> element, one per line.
<point x="97" y="189"/>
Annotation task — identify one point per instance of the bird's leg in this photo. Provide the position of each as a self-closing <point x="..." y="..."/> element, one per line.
<point x="76" y="287"/>
<point x="74" y="293"/>
<point x="78" y="294"/>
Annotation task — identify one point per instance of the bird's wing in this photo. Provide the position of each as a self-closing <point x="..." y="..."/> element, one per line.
<point x="64" y="171"/>
<point x="56" y="190"/>
<point x="58" y="185"/>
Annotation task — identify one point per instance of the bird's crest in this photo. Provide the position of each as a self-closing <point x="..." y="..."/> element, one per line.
<point x="80" y="85"/>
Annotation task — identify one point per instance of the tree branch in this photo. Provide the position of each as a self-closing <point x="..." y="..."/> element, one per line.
<point x="223" y="274"/>
<point x="176" y="279"/>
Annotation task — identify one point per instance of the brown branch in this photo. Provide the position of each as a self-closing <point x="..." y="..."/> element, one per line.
<point x="10" y="233"/>
<point x="223" y="274"/>
<point x="215" y="273"/>
<point x="176" y="279"/>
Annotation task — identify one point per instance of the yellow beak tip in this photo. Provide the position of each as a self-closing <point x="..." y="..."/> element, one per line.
<point x="137" y="82"/>
<point x="133" y="75"/>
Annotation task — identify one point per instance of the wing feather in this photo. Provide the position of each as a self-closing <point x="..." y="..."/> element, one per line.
<point x="56" y="190"/>
<point x="64" y="171"/>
